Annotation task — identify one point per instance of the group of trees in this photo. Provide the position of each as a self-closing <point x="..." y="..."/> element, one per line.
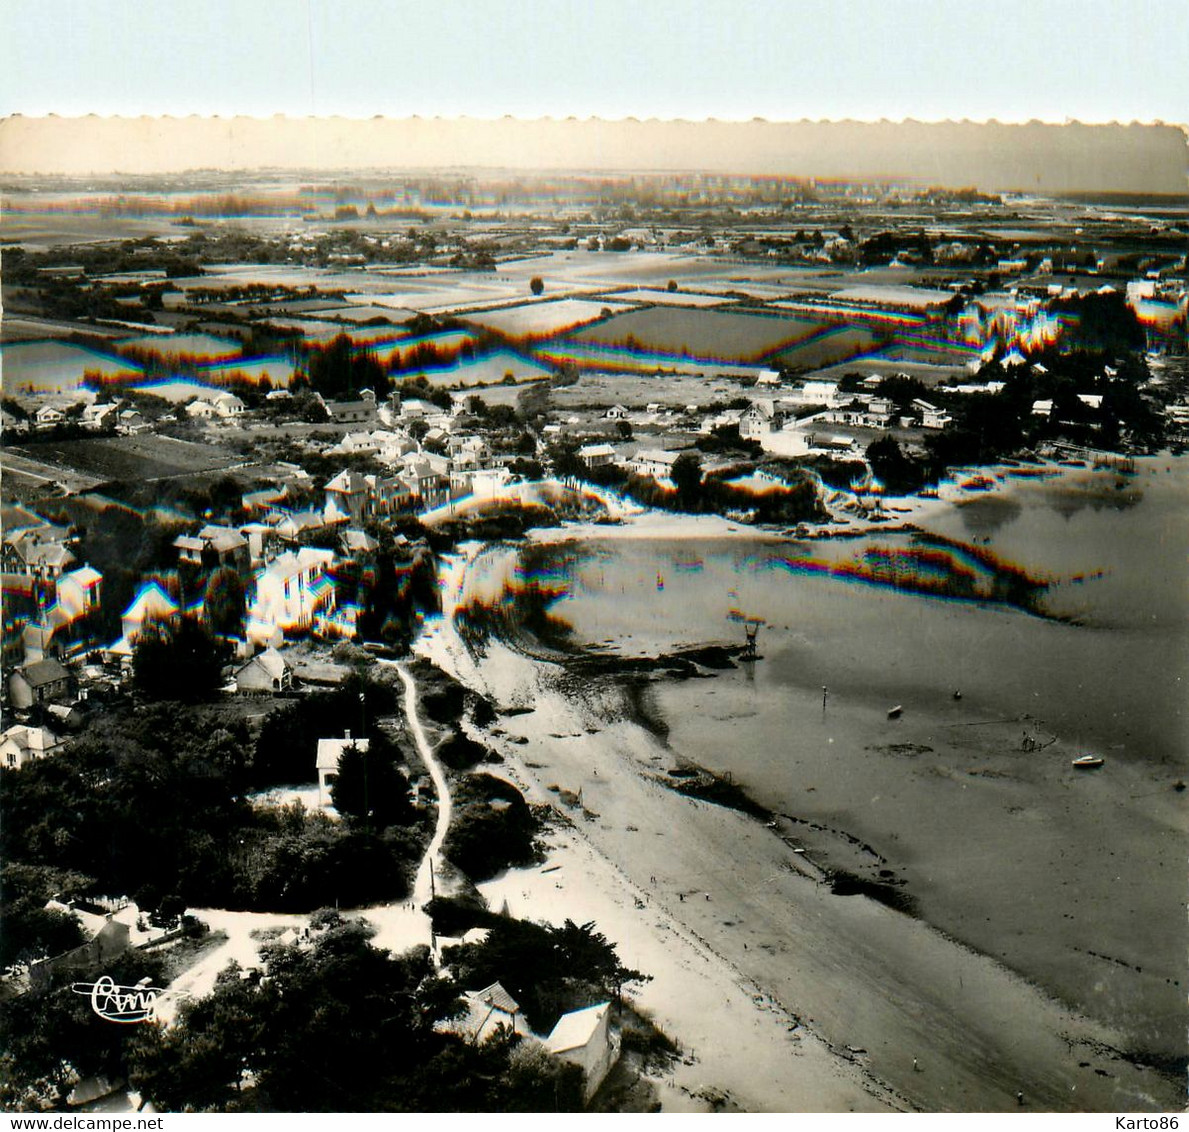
<point x="152" y="801"/>
<point x="337" y="1025"/>
<point x="692" y="490"/>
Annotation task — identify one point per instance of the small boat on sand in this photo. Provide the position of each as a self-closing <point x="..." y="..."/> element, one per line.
<point x="1086" y="762"/>
<point x="895" y="712"/>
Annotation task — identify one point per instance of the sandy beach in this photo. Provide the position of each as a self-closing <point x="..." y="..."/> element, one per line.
<point x="927" y="1012"/>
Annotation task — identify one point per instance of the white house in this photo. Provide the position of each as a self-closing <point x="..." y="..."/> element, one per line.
<point x="21" y="744"/>
<point x="654" y="463"/>
<point x="200" y="410"/>
<point x="330" y="751"/>
<point x="48" y="416"/>
<point x="151" y="604"/>
<point x="290" y="592"/>
<point x="760" y="417"/>
<point x="596" y="455"/>
<point x="768" y="377"/>
<point x="584" y="1038"/>
<point x="931" y="416"/>
<point x="99" y="415"/>
<point x="228" y="405"/>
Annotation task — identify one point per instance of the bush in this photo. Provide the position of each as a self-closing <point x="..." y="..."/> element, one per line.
<point x="493" y="830"/>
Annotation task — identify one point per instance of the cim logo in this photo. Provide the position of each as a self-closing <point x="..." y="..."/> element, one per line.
<point x="115" y="1003"/>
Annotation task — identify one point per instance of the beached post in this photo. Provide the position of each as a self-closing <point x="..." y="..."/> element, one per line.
<point x="825" y="693"/>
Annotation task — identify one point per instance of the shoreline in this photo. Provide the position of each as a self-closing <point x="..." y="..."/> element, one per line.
<point x="574" y="746"/>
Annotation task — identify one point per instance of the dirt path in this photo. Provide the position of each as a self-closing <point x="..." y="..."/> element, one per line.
<point x="424" y="885"/>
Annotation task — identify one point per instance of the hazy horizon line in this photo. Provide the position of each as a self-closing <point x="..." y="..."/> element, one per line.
<point x="992" y="155"/>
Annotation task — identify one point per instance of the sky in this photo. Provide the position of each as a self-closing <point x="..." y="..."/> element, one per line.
<point x="1015" y="61"/>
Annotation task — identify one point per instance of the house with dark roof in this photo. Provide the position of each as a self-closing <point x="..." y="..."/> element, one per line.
<point x="267" y="671"/>
<point x="39" y="683"/>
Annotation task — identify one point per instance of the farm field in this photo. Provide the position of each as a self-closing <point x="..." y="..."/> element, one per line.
<point x="278" y="370"/>
<point x="634" y="391"/>
<point x="185" y="345"/>
<point x="665" y="298"/>
<point x="543" y="319"/>
<point x="618" y="359"/>
<point x="832" y="345"/>
<point x="134" y="458"/>
<point x="491" y="369"/>
<point x="699" y="334"/>
<point x="55" y="367"/>
<point x="869" y="364"/>
<point x="21" y="328"/>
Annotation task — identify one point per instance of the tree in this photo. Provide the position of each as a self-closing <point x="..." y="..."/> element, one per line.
<point x="536" y="284"/>
<point x="624" y="428"/>
<point x="672" y="285"/>
<point x="893" y="468"/>
<point x="370" y="788"/>
<point x="225" y="603"/>
<point x="687" y="479"/>
<point x="182" y="662"/>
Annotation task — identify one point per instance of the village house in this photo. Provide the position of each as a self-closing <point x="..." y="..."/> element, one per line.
<point x="129" y="422"/>
<point x="296" y="527"/>
<point x="346" y="499"/>
<point x="430" y="484"/>
<point x="362" y="411"/>
<point x="266" y="672"/>
<point x="152" y="605"/>
<point x="227" y="405"/>
<point x="488" y="1010"/>
<point x="768" y="377"/>
<point x="21" y="744"/>
<point x="200" y="409"/>
<point x="616" y="413"/>
<point x="290" y="592"/>
<point x="38" y="553"/>
<point x="39" y="683"/>
<point x="77" y="595"/>
<point x="596" y="455"/>
<point x="655" y="463"/>
<point x="584" y="1038"/>
<point x="760" y="417"/>
<point x="389" y="496"/>
<point x="357" y="546"/>
<point x="330" y="752"/>
<point x="99" y="416"/>
<point x="931" y="416"/>
<point x="48" y="416"/>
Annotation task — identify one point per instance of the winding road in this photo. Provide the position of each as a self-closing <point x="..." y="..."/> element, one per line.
<point x="424" y="884"/>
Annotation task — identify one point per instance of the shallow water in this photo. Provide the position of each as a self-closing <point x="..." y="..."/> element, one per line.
<point x="1100" y="653"/>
